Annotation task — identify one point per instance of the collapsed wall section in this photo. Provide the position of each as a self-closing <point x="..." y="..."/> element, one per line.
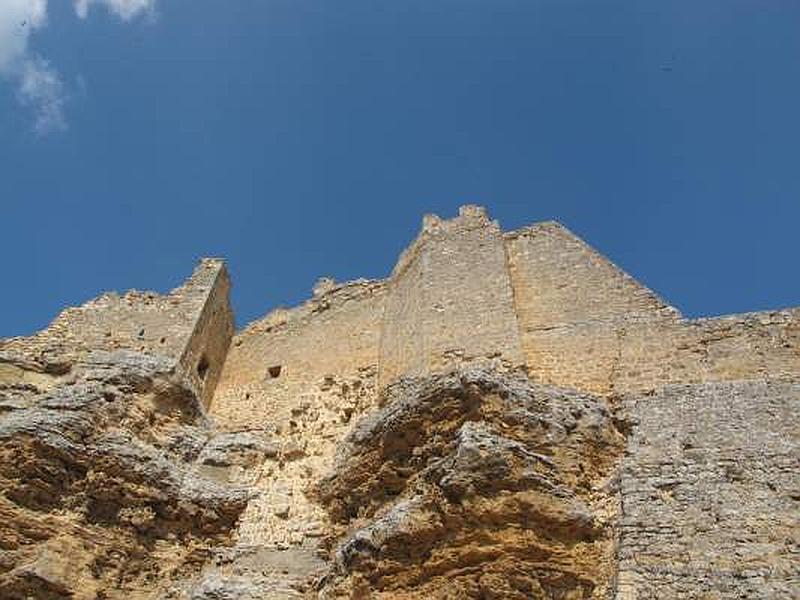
<point x="191" y="326"/>
<point x="450" y="300"/>
<point x="301" y="378"/>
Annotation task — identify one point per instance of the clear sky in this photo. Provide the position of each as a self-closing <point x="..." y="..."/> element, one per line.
<point x="302" y="138"/>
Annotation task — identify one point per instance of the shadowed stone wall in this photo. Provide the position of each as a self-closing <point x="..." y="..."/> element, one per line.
<point x="206" y="349"/>
<point x="709" y="489"/>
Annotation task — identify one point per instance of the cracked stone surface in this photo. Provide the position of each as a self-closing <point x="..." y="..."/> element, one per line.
<point x="103" y="497"/>
<point x="476" y="484"/>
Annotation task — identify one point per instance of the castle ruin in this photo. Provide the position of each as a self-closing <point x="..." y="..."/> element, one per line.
<point x="507" y="415"/>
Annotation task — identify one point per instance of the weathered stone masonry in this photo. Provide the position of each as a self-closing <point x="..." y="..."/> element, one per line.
<point x="191" y="326"/>
<point x="536" y="419"/>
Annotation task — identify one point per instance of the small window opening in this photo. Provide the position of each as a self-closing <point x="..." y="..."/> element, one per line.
<point x="274" y="371"/>
<point x="202" y="367"/>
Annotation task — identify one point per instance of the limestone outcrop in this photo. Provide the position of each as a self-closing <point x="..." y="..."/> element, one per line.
<point x="475" y="484"/>
<point x="103" y="494"/>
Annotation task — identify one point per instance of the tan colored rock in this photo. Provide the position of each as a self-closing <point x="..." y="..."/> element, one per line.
<point x="467" y="479"/>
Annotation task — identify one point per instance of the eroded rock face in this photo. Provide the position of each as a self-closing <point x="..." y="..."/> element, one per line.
<point x="464" y="485"/>
<point x="103" y="497"/>
<point x="475" y="485"/>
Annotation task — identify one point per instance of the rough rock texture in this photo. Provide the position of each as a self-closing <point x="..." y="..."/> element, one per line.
<point x="102" y="497"/>
<point x="476" y="485"/>
<point x="507" y="415"/>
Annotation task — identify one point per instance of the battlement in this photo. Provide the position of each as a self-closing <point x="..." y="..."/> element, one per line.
<point x="470" y="217"/>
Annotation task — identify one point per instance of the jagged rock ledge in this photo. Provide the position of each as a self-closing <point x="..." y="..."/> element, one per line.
<point x="104" y="493"/>
<point x="475" y="484"/>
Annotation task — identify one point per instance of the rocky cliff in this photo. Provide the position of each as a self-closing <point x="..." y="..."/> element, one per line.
<point x="103" y="490"/>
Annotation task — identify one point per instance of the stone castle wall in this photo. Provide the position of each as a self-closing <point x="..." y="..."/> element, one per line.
<point x="709" y="490"/>
<point x="729" y="348"/>
<point x="206" y="348"/>
<point x="586" y="324"/>
<point x="300" y="377"/>
<point x="276" y="362"/>
<point x="538" y="297"/>
<point x="450" y="300"/>
<point x="192" y="322"/>
<point x="573" y="306"/>
<point x="464" y="291"/>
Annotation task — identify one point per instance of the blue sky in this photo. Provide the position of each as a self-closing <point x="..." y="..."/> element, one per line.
<point x="307" y="138"/>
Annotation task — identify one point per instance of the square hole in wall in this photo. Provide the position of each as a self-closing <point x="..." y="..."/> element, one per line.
<point x="202" y="367"/>
<point x="274" y="372"/>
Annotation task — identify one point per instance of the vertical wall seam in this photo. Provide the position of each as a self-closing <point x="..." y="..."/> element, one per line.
<point x="515" y="302"/>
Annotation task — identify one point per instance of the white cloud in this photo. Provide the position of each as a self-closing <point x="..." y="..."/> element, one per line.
<point x="124" y="9"/>
<point x="41" y="88"/>
<point x="18" y="19"/>
<point x="38" y="85"/>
